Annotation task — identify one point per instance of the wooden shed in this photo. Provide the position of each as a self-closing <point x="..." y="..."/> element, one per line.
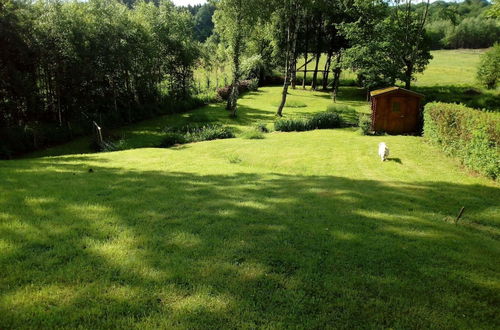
<point x="396" y="110"/>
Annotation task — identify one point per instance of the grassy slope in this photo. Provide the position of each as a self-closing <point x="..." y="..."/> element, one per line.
<point x="306" y="229"/>
<point x="451" y="67"/>
<point x="299" y="229"/>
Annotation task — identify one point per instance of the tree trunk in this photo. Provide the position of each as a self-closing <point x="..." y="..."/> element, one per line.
<point x="336" y="77"/>
<point x="233" y="97"/>
<point x="327" y="70"/>
<point x="408" y="75"/>
<point x="314" y="83"/>
<point x="291" y="55"/>
<point x="305" y="55"/>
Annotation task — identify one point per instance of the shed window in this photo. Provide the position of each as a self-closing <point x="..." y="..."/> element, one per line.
<point x="396" y="107"/>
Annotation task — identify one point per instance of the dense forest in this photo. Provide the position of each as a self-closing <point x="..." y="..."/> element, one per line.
<point x="67" y="67"/>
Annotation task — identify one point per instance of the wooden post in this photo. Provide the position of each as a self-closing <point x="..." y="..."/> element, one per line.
<point x="460" y="214"/>
<point x="99" y="139"/>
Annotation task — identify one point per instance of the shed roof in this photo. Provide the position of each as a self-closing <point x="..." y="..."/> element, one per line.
<point x="378" y="92"/>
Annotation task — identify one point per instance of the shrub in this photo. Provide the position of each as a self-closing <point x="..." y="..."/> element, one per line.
<point x="207" y="133"/>
<point x="471" y="135"/>
<point x="245" y="86"/>
<point x="324" y="120"/>
<point x="262" y="127"/>
<point x="365" y="124"/>
<point x="253" y="134"/>
<point x="488" y="72"/>
<point x="321" y="120"/>
<point x="292" y="124"/>
<point x="171" y="139"/>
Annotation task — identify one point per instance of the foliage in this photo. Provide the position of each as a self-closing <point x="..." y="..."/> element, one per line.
<point x="292" y="125"/>
<point x="320" y="120"/>
<point x="365" y="124"/>
<point x="475" y="32"/>
<point x="465" y="24"/>
<point x="386" y="50"/>
<point x="67" y="64"/>
<point x="323" y="120"/>
<point x="243" y="87"/>
<point x="195" y="133"/>
<point x="488" y="72"/>
<point x="172" y="138"/>
<point x="470" y="135"/>
<point x="262" y="127"/>
<point x="207" y="133"/>
<point x="253" y="134"/>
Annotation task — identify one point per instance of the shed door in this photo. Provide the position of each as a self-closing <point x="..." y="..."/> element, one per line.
<point x="397" y="115"/>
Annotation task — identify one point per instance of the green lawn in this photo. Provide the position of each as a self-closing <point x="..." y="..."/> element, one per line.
<point x="306" y="230"/>
<point x="451" y="67"/>
<point x="254" y="107"/>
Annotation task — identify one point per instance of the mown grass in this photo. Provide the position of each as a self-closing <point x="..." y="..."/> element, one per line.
<point x="306" y="230"/>
<point x="456" y="67"/>
<point x="297" y="230"/>
<point x="253" y="107"/>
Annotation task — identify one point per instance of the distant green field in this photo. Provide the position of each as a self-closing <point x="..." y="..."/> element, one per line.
<point x="451" y="67"/>
<point x="448" y="67"/>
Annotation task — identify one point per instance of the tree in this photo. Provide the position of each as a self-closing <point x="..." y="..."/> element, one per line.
<point x="488" y="72"/>
<point x="388" y="43"/>
<point x="232" y="21"/>
<point x="292" y="13"/>
<point x="409" y="46"/>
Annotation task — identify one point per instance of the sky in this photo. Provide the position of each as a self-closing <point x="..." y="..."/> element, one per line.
<point x="188" y="2"/>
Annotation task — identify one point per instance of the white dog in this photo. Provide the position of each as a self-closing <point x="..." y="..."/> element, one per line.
<point x="383" y="151"/>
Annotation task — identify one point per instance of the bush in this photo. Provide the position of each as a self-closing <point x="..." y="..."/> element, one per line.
<point x="195" y="133"/>
<point x="207" y="133"/>
<point x="262" y="127"/>
<point x="471" y="135"/>
<point x="171" y="139"/>
<point x="292" y="124"/>
<point x="322" y="120"/>
<point x="488" y="72"/>
<point x="365" y="124"/>
<point x="253" y="134"/>
<point x="245" y="86"/>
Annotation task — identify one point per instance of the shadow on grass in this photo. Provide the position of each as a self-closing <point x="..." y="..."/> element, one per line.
<point x="120" y="248"/>
<point x="396" y="160"/>
<point x="469" y="96"/>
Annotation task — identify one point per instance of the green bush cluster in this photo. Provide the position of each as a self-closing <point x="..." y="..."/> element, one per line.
<point x="195" y="133"/>
<point x="365" y="124"/>
<point x="488" y="72"/>
<point x="471" y="135"/>
<point x="321" y="120"/>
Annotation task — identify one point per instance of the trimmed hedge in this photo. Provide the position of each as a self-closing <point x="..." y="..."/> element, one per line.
<point x="471" y="135"/>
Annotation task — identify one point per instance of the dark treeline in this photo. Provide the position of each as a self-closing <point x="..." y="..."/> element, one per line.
<point x="64" y="65"/>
